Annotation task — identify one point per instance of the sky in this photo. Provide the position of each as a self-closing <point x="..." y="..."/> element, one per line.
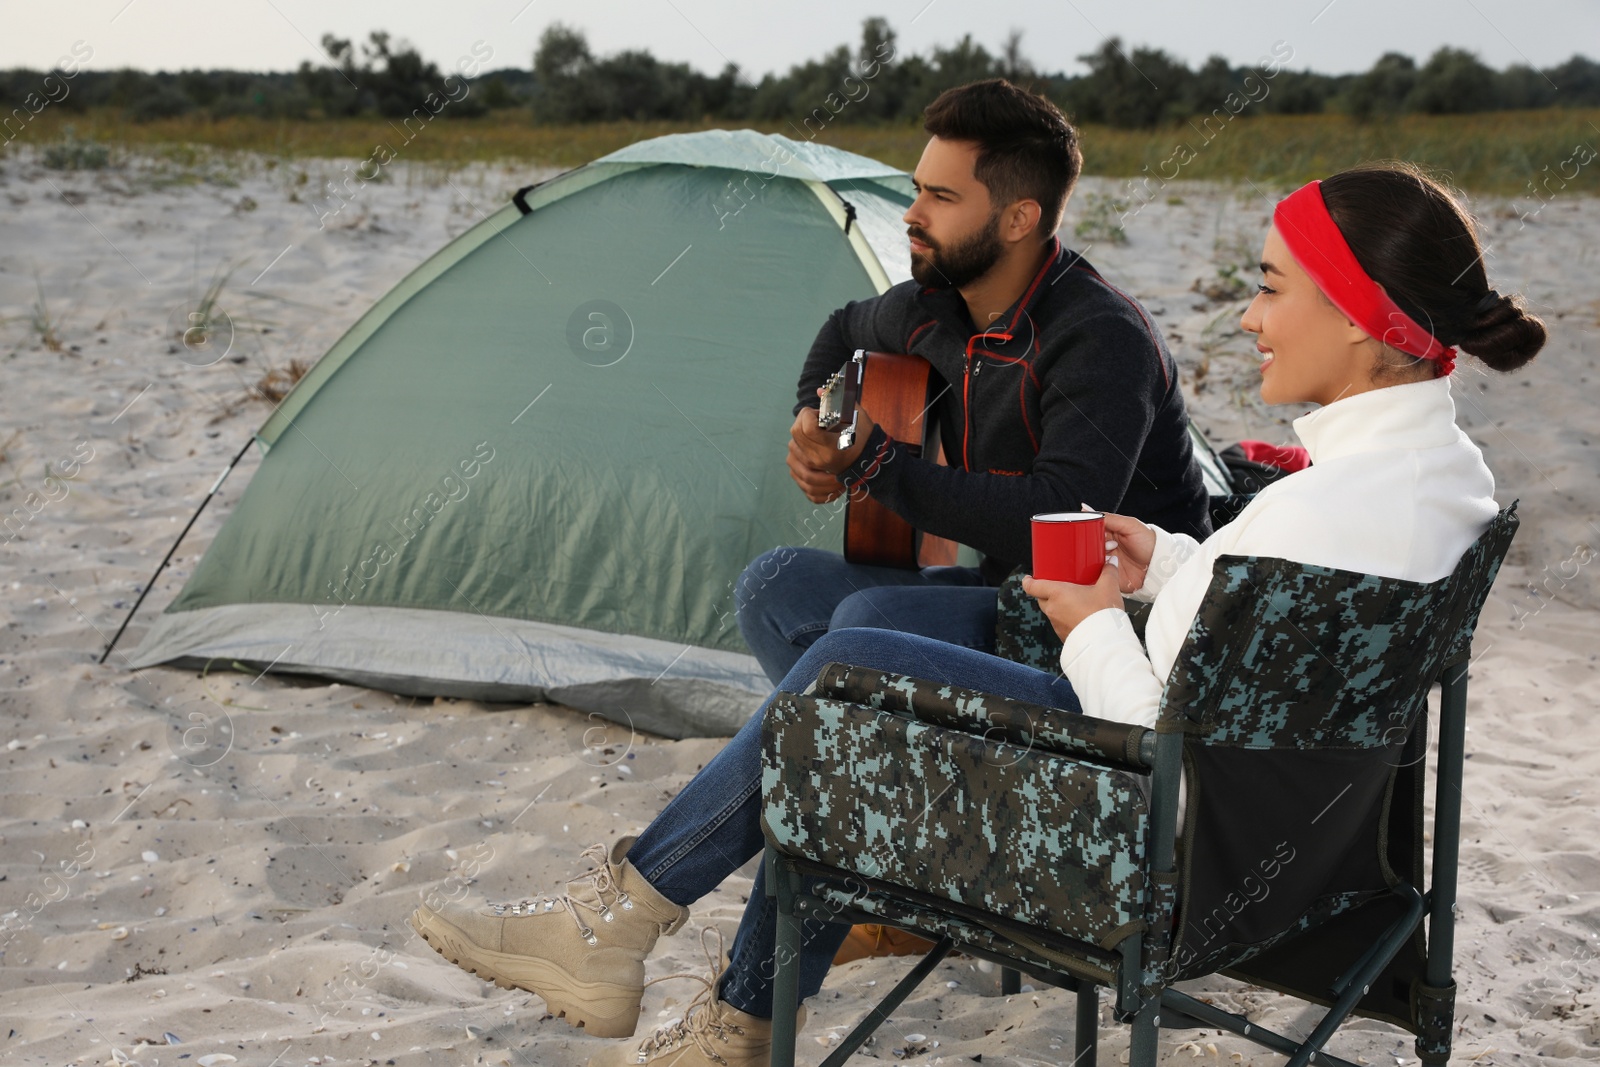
<point x="1329" y="36"/>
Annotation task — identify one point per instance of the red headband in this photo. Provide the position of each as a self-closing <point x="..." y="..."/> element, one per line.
<point x="1314" y="240"/>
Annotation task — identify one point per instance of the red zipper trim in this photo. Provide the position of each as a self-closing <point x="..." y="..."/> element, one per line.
<point x="966" y="407"/>
<point x="1009" y="334"/>
<point x="1055" y="253"/>
<point x="918" y="333"/>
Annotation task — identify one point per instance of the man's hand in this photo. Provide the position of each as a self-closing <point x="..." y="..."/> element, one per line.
<point x="815" y="458"/>
<point x="820" y="487"/>
<point x="1066" y="604"/>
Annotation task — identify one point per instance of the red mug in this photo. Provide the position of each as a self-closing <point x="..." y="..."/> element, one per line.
<point x="1069" y="546"/>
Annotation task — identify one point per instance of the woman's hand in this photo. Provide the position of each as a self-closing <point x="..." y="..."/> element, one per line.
<point x="1066" y="604"/>
<point x="1132" y="543"/>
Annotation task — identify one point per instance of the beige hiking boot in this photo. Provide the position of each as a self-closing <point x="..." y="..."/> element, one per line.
<point x="710" y="1033"/>
<point x="583" y="952"/>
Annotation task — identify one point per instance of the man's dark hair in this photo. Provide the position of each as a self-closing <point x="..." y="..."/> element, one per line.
<point x="1027" y="150"/>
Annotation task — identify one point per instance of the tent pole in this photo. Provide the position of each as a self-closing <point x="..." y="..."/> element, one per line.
<point x="184" y="533"/>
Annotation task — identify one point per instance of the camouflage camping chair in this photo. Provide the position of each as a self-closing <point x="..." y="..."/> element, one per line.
<point x="1050" y="843"/>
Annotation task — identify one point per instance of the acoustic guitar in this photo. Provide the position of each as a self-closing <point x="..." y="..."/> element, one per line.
<point x="897" y="390"/>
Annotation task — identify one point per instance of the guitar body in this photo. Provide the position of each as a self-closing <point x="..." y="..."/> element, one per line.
<point x="898" y="392"/>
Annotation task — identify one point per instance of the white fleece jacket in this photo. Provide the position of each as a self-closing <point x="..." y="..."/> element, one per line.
<point x="1395" y="489"/>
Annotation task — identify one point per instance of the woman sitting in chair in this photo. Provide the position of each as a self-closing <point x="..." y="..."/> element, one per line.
<point x="1371" y="278"/>
<point x="1369" y="281"/>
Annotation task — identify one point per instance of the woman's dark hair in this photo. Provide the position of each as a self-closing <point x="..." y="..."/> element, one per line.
<point x="1414" y="238"/>
<point x="1027" y="150"/>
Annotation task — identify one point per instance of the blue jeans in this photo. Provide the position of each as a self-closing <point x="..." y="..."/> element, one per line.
<point x="789" y="597"/>
<point x="712" y="828"/>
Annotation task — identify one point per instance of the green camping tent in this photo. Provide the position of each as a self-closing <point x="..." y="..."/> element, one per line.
<point x="534" y="469"/>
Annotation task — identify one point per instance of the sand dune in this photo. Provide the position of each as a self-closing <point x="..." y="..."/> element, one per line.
<point x="250" y="900"/>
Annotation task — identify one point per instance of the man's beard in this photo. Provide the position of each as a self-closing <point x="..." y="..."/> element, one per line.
<point x="962" y="263"/>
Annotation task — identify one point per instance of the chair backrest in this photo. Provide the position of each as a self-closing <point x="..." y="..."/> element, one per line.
<point x="1299" y="692"/>
<point x="1289" y="655"/>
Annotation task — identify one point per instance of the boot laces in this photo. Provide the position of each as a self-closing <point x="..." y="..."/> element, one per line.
<point x="701" y="1023"/>
<point x="599" y="882"/>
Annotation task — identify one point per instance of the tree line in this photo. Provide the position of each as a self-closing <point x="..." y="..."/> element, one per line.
<point x="567" y="82"/>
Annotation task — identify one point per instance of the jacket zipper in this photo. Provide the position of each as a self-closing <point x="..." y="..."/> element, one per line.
<point x="969" y="371"/>
<point x="966" y="408"/>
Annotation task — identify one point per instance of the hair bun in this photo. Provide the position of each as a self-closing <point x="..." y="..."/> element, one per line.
<point x="1413" y="236"/>
<point x="1503" y="335"/>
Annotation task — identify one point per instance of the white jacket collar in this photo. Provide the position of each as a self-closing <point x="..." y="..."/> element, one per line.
<point x="1411" y="416"/>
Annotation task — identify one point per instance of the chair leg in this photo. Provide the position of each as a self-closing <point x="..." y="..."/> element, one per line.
<point x="1436" y="1000"/>
<point x="1357" y="981"/>
<point x="1086" y="1038"/>
<point x="786" y="982"/>
<point x="1010" y="981"/>
<point x="1183" y="1005"/>
<point x="880" y="1013"/>
<point x="1145" y="1040"/>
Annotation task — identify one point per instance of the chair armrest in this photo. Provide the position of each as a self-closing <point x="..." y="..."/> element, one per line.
<point x="1022" y="633"/>
<point x="999" y="718"/>
<point x="1138" y="615"/>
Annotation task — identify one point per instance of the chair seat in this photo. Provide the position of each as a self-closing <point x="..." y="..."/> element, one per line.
<point x="1076" y="957"/>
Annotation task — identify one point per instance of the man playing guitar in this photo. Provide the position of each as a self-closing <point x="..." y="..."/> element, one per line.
<point x="1053" y="390"/>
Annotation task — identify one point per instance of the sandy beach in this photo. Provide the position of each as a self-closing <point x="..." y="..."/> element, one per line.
<point x="249" y="902"/>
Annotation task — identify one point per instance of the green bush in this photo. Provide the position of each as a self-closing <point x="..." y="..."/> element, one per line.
<point x="164" y="103"/>
<point x="69" y="153"/>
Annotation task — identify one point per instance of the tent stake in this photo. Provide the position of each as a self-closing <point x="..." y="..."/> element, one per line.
<point x="151" y="583"/>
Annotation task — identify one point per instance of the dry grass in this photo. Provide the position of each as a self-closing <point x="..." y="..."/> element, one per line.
<point x="274" y="385"/>
<point x="1495" y="152"/>
<point x="503" y="136"/>
<point x="5" y="452"/>
<point x="46" y="323"/>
